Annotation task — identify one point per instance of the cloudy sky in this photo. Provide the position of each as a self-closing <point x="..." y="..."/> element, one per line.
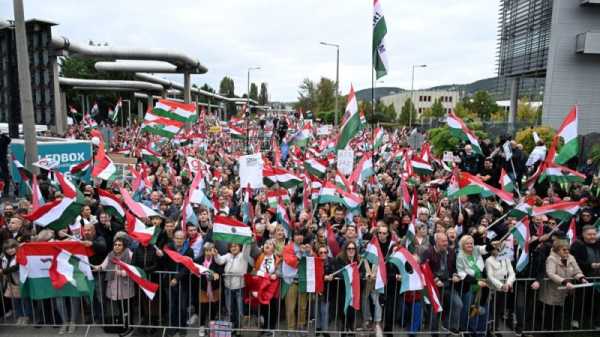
<point x="455" y="38"/>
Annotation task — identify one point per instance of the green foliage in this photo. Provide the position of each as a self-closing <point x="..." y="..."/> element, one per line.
<point x="383" y="113"/>
<point x="253" y="91"/>
<point x="525" y="136"/>
<point x="325" y="116"/>
<point x="527" y="113"/>
<point x="319" y="98"/>
<point x="227" y="89"/>
<point x="408" y="113"/>
<point x="481" y="104"/>
<point x="326" y="94"/>
<point x="263" y="97"/>
<point x="437" y="109"/>
<point x="443" y="140"/>
<point x="594" y="154"/>
<point x="307" y="96"/>
<point x="464" y="113"/>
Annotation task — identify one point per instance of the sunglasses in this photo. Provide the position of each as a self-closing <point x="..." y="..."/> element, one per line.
<point x="323" y="252"/>
<point x="350" y="248"/>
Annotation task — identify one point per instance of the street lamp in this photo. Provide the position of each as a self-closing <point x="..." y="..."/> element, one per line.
<point x="337" y="78"/>
<point x="412" y="92"/>
<point x="247" y="115"/>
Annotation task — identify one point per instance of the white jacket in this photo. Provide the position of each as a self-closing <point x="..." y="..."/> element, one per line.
<point x="235" y="267"/>
<point x="499" y="272"/>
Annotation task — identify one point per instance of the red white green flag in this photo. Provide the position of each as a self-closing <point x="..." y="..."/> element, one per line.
<point x="55" y="269"/>
<point x="460" y="130"/>
<point x="177" y="111"/>
<point x="280" y="176"/>
<point x="145" y="235"/>
<point x="471" y="184"/>
<point x="187" y="262"/>
<point x="352" y="285"/>
<point x="568" y="131"/>
<point x="311" y="273"/>
<point x="421" y="167"/>
<point x="375" y="256"/>
<point x="315" y="167"/>
<point x="274" y="196"/>
<point x="138" y="276"/>
<point x="413" y="280"/>
<point x="561" y="210"/>
<point x="506" y="184"/>
<point x="111" y="204"/>
<point x="431" y="293"/>
<point x="522" y="234"/>
<point x="351" y="122"/>
<point x="572" y="232"/>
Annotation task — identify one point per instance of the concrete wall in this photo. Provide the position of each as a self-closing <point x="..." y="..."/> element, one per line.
<point x="572" y="78"/>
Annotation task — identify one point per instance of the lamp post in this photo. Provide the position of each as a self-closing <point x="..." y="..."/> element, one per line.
<point x="337" y="78"/>
<point x="247" y="115"/>
<point x="412" y="92"/>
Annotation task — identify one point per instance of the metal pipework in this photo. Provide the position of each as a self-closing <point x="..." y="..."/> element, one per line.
<point x="184" y="62"/>
<point x="137" y="66"/>
<point x="170" y="84"/>
<point x="123" y="85"/>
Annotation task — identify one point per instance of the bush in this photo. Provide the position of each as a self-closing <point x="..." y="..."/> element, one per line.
<point x="442" y="139"/>
<point x="525" y="137"/>
<point x="594" y="154"/>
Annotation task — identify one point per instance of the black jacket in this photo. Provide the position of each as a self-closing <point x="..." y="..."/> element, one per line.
<point x="579" y="249"/>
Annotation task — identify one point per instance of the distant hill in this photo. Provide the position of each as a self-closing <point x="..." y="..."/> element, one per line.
<point x="365" y="94"/>
<point x="486" y="84"/>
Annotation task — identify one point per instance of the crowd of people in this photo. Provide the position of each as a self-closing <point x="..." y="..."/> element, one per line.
<point x="468" y="242"/>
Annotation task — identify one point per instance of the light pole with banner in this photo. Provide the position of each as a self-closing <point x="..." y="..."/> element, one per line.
<point x="412" y="93"/>
<point x="337" y="78"/>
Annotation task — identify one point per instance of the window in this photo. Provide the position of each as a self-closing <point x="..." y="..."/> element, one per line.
<point x="450" y="99"/>
<point x="428" y="98"/>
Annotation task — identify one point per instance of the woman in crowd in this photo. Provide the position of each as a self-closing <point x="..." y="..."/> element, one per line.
<point x="268" y="264"/>
<point x="10" y="282"/>
<point x="349" y="255"/>
<point x="210" y="291"/>
<point x="500" y="279"/>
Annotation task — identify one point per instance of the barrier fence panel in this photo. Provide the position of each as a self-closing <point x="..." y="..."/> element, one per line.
<point x="203" y="304"/>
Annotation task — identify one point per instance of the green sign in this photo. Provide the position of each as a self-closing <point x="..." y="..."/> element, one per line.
<point x="67" y="153"/>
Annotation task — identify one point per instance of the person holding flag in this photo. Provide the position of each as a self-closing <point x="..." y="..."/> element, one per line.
<point x="349" y="257"/>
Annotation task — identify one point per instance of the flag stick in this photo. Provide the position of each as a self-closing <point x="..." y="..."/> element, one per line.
<point x="576" y="286"/>
<point x="516" y="182"/>
<point x="497" y="220"/>
<point x="342" y="269"/>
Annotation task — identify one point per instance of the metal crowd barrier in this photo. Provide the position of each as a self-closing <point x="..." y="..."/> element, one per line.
<point x="185" y="307"/>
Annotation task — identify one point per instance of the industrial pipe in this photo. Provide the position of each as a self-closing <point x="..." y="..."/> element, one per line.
<point x="137" y="66"/>
<point x="124" y="85"/>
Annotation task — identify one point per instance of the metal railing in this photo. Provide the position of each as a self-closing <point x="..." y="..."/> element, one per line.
<point x="191" y="304"/>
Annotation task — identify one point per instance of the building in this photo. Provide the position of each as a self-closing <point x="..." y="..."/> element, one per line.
<point x="423" y="100"/>
<point x="557" y="45"/>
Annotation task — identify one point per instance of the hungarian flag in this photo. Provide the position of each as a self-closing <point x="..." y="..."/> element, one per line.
<point x="315" y="167"/>
<point x="285" y="179"/>
<point x="411" y="233"/>
<point x="559" y="174"/>
<point x="522" y="234"/>
<point x="196" y="192"/>
<point x="55" y="269"/>
<point x="260" y="289"/>
<point x="568" y="131"/>
<point x="149" y="155"/>
<point x="274" y="196"/>
<point x="363" y="170"/>
<point x="375" y="256"/>
<point x="506" y="184"/>
<point x="471" y="184"/>
<point x="406" y="198"/>
<point x="61" y="270"/>
<point x="188" y="216"/>
<point x="332" y="243"/>
<point x="302" y="137"/>
<point x="379" y="52"/>
<point x="378" y="138"/>
<point x="137" y="208"/>
<point x="421" y="167"/>
<point x="306" y="194"/>
<point x="60" y="213"/>
<point x="350" y="123"/>
<point x="111" y="204"/>
<point x="460" y="130"/>
<point x="431" y="293"/>
<point x="161" y="126"/>
<point x="36" y="194"/>
<point x="282" y="217"/>
<point x="23" y="172"/>
<point x="236" y="133"/>
<point x="177" y="111"/>
<point x="426" y="153"/>
<point x="520" y="211"/>
<point x="328" y="194"/>
<point x="352" y="284"/>
<point x="412" y="281"/>
<point x="187" y="262"/>
<point x="103" y="165"/>
<point x="145" y="235"/>
<point x="311" y="274"/>
<point x="572" y="232"/>
<point x="350" y="200"/>
<point x="231" y="230"/>
<point x="81" y="169"/>
<point x="138" y="276"/>
<point x="342" y="183"/>
<point x="561" y="210"/>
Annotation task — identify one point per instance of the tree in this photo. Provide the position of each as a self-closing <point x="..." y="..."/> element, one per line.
<point x="408" y="113"/>
<point x="263" y="97"/>
<point x="442" y="139"/>
<point x="482" y="104"/>
<point x="437" y="109"/>
<point x="525" y="137"/>
<point x="207" y="87"/>
<point x="527" y="113"/>
<point x="253" y="91"/>
<point x="383" y="113"/>
<point x="227" y="87"/>
<point x="326" y="94"/>
<point x="307" y="96"/>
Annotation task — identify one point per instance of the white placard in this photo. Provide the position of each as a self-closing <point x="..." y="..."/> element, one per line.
<point x="324" y="130"/>
<point x="251" y="170"/>
<point x="448" y="156"/>
<point x="46" y="163"/>
<point x="345" y="161"/>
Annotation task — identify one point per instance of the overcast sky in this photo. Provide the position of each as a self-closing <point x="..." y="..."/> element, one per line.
<point x="455" y="38"/>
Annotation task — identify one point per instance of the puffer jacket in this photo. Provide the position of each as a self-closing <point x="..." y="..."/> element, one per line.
<point x="559" y="273"/>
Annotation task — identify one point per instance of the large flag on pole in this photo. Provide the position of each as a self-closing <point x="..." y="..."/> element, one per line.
<point x="351" y="123"/>
<point x="568" y="131"/>
<point x="138" y="276"/>
<point x="459" y="129"/>
<point x="380" y="60"/>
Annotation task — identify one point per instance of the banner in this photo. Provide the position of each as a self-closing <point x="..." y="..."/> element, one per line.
<point x="345" y="161"/>
<point x="251" y="170"/>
